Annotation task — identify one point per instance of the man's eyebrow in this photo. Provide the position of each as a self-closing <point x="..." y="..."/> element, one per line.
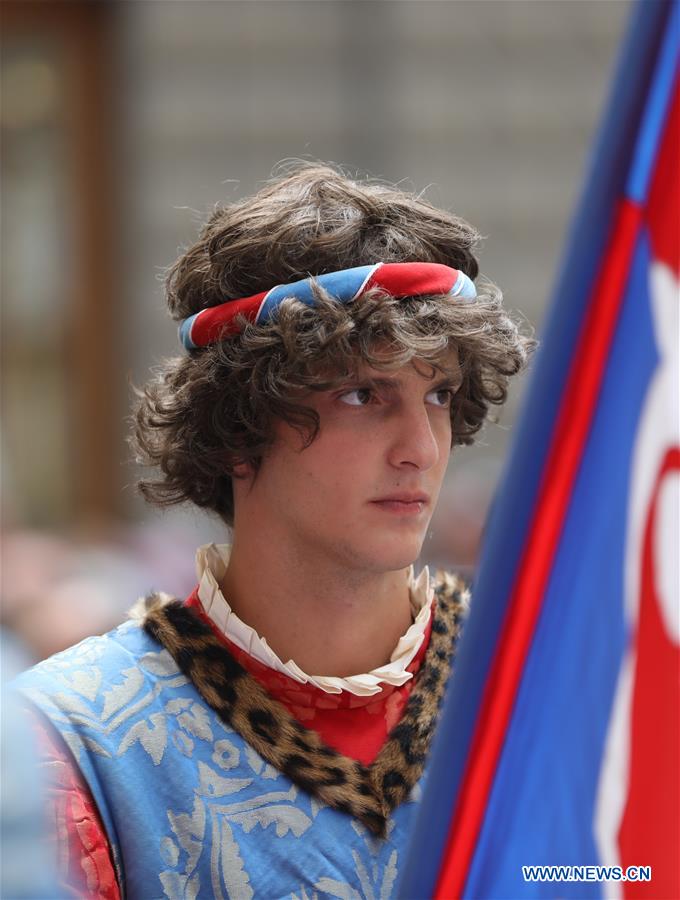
<point x="451" y="380"/>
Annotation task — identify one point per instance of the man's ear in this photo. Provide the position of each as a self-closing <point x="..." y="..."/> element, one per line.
<point x="243" y="470"/>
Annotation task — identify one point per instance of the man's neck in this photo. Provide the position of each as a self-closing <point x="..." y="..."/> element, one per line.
<point x="328" y="619"/>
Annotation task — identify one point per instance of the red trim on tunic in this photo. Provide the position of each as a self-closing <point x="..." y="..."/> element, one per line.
<point x="82" y="851"/>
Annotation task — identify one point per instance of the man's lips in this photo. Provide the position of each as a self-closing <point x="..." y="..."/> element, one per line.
<point x="403" y="502"/>
<point x="404" y="497"/>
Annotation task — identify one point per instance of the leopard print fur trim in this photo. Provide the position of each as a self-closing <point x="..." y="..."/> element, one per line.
<point x="369" y="793"/>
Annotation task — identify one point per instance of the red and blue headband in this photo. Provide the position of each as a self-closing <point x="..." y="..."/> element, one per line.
<point x="397" y="279"/>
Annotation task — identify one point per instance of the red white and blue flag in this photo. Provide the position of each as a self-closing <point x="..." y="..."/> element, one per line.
<point x="560" y="740"/>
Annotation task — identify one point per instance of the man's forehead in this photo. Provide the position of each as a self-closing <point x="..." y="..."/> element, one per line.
<point x="445" y="366"/>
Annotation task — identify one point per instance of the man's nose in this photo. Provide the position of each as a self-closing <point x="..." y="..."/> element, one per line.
<point x="414" y="443"/>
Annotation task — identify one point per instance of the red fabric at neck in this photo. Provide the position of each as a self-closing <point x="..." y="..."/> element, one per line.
<point x="355" y="726"/>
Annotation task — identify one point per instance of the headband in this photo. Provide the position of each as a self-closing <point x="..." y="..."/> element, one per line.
<point x="398" y="279"/>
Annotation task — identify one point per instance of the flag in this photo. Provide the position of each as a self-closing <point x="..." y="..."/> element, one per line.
<point x="559" y="743"/>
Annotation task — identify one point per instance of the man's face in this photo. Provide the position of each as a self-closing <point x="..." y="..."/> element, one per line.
<point x="362" y="494"/>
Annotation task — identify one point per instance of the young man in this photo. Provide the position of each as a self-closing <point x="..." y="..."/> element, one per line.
<point x="267" y="736"/>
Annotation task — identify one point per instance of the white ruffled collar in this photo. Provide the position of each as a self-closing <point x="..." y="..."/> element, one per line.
<point x="211" y="566"/>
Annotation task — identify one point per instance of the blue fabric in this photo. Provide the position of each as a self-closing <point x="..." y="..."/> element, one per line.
<point x="541" y="807"/>
<point x="184" y="332"/>
<point x="513" y="508"/>
<point x="342" y="285"/>
<point x="191" y="810"/>
<point x="656" y="110"/>
<point x="464" y="287"/>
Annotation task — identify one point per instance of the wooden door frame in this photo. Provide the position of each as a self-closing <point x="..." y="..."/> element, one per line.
<point x="84" y="30"/>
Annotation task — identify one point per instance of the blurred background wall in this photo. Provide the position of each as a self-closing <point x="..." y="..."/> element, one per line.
<point x="124" y="122"/>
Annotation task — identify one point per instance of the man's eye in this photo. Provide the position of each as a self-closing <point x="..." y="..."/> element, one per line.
<point x="440" y="397"/>
<point x="358" y="397"/>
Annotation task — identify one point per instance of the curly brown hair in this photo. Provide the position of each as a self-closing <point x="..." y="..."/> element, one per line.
<point x="208" y="411"/>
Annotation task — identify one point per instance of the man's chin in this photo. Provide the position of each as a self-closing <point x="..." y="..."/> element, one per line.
<point x="394" y="555"/>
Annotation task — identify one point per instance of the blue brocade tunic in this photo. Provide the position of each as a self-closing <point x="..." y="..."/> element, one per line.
<point x="191" y="809"/>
